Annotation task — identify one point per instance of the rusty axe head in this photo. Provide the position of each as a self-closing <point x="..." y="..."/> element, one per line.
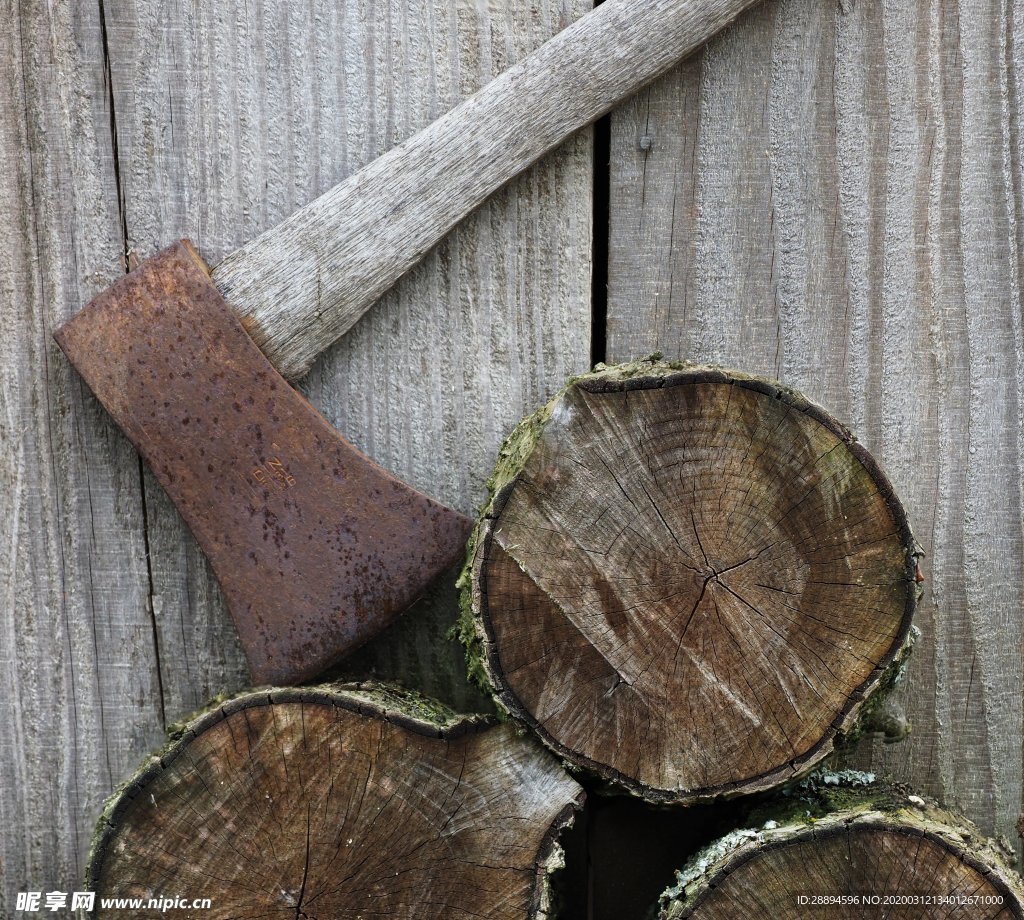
<point x="315" y="546"/>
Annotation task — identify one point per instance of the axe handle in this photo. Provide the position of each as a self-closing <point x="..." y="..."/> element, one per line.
<point x="300" y="286"/>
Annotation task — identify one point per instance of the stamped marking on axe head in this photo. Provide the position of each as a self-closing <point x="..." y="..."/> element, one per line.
<point x="316" y="547"/>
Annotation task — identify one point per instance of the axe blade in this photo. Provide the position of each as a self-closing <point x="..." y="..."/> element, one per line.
<point x="315" y="546"/>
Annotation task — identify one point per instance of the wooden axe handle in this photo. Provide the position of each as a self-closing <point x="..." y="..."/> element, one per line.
<point x="300" y="286"/>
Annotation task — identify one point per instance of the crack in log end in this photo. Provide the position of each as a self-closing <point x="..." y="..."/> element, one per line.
<point x="692" y="581"/>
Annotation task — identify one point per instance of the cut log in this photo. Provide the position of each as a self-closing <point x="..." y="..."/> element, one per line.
<point x="885" y="854"/>
<point x="340" y="803"/>
<point x="687" y="580"/>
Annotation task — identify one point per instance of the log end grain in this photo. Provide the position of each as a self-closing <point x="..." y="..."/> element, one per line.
<point x="340" y="802"/>
<point x="833" y="850"/>
<point x="688" y="580"/>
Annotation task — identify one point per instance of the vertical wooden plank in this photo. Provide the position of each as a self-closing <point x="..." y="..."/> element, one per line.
<point x="487" y="329"/>
<point x="831" y="194"/>
<point x="230" y="117"/>
<point x="79" y="694"/>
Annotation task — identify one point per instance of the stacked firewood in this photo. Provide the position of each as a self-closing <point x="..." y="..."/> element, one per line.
<point x="687" y="585"/>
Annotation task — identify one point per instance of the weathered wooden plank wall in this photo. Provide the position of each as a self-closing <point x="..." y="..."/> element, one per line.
<point x="830" y="194"/>
<point x="226" y="118"/>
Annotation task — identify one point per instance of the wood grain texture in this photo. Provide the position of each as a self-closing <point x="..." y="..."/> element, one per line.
<point x="228" y="117"/>
<point x="831" y="194"/>
<point x="79" y="691"/>
<point x="302" y="285"/>
<point x="688" y="580"/>
<point x="343" y="803"/>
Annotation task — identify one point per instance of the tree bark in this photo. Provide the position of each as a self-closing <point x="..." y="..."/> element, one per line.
<point x="337" y="802"/>
<point x="883" y="853"/>
<point x="688" y="580"/>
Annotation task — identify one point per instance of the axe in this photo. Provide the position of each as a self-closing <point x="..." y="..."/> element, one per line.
<point x="317" y="548"/>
